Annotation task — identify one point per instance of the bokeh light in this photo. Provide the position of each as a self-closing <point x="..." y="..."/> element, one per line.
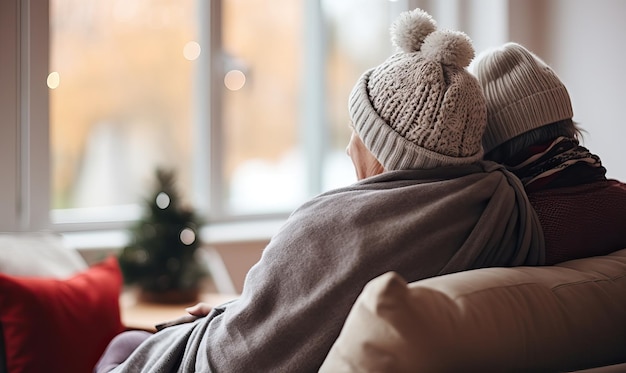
<point x="162" y="200"/>
<point x="234" y="80"/>
<point x="54" y="79"/>
<point x="187" y="236"/>
<point x="192" y="50"/>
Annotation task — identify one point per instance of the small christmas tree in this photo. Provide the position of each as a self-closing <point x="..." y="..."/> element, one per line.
<point x="161" y="260"/>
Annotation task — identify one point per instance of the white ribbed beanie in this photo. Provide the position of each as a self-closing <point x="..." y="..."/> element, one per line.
<point x="421" y="108"/>
<point x="522" y="93"/>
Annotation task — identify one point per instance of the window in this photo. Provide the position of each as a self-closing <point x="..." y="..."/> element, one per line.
<point x="285" y="130"/>
<point x="246" y="101"/>
<point x="121" y="101"/>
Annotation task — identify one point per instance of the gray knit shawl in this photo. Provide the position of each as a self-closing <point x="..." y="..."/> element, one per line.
<point x="418" y="223"/>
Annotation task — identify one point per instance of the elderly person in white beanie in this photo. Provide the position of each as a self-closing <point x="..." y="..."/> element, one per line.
<point x="530" y="130"/>
<point x="426" y="205"/>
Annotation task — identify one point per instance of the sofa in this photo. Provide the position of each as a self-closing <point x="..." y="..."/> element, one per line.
<point x="57" y="314"/>
<point x="562" y="318"/>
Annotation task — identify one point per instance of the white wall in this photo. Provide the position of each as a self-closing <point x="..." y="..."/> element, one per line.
<point x="582" y="41"/>
<point x="591" y="62"/>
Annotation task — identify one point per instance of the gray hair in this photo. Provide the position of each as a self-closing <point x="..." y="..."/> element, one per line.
<point x="506" y="152"/>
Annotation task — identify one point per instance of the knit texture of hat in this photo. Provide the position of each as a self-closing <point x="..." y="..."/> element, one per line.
<point x="522" y="93"/>
<point x="421" y="108"/>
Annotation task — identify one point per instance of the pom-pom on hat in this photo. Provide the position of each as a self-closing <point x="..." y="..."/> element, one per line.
<point x="421" y="108"/>
<point x="522" y="93"/>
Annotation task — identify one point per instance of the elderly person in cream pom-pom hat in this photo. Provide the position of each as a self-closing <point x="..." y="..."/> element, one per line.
<point x="530" y="130"/>
<point x="425" y="205"/>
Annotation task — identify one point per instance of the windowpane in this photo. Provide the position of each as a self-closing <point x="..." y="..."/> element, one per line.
<point x="274" y="128"/>
<point x="120" y="98"/>
<point x="263" y="163"/>
<point x="122" y="94"/>
<point x="358" y="40"/>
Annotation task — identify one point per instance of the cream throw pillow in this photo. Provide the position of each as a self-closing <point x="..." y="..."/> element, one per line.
<point x="564" y="317"/>
<point x="38" y="255"/>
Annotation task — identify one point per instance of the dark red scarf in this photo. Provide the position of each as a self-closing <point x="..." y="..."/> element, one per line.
<point x="559" y="163"/>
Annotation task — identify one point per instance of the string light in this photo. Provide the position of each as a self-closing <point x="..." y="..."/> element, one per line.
<point x="187" y="236"/>
<point x="162" y="200"/>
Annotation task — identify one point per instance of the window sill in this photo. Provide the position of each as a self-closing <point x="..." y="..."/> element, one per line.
<point x="219" y="233"/>
<point x="231" y="248"/>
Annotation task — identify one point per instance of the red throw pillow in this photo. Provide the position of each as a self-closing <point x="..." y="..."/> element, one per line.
<point x="53" y="325"/>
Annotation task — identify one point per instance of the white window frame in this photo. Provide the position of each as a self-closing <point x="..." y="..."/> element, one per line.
<point x="24" y="132"/>
<point x="24" y="157"/>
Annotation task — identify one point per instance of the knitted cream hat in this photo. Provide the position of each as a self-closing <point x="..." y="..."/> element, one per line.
<point x="421" y="108"/>
<point x="522" y="93"/>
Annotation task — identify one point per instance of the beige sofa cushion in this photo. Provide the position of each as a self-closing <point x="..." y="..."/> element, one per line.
<point x="565" y="317"/>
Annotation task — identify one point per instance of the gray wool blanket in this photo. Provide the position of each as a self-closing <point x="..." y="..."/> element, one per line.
<point x="418" y="223"/>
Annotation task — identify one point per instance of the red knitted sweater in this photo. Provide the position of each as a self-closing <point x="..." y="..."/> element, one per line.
<point x="582" y="221"/>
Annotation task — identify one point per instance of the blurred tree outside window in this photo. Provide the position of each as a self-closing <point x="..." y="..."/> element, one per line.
<point x="123" y="91"/>
<point x="121" y="106"/>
